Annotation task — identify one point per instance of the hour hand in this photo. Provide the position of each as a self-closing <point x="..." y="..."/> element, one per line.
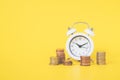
<point x="78" y="45"/>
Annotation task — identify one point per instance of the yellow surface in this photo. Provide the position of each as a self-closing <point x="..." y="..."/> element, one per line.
<point x="31" y="30"/>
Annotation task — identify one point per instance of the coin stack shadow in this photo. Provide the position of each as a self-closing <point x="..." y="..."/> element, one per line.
<point x="60" y="56"/>
<point x="100" y="57"/>
<point x="85" y="60"/>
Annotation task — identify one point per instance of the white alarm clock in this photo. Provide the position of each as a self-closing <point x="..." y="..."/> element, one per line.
<point x="79" y="44"/>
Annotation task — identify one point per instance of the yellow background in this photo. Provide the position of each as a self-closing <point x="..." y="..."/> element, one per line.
<point x="31" y="30"/>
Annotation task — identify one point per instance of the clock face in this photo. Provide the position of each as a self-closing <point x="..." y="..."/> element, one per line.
<point x="79" y="45"/>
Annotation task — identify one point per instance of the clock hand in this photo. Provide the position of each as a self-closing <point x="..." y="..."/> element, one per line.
<point x="80" y="45"/>
<point x="83" y="44"/>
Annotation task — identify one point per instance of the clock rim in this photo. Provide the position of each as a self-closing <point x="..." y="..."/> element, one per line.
<point x="69" y="40"/>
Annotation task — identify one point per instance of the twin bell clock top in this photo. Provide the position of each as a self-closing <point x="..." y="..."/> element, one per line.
<point x="79" y="43"/>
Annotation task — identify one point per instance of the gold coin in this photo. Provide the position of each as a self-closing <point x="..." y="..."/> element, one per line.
<point x="59" y="50"/>
<point x="100" y="57"/>
<point x="85" y="60"/>
<point x="53" y="60"/>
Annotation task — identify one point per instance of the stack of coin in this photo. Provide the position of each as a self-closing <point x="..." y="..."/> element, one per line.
<point x="85" y="60"/>
<point x="68" y="62"/>
<point x="100" y="57"/>
<point x="53" y="61"/>
<point x="60" y="55"/>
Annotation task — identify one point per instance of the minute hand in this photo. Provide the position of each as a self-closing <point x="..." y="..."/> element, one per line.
<point x="83" y="44"/>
